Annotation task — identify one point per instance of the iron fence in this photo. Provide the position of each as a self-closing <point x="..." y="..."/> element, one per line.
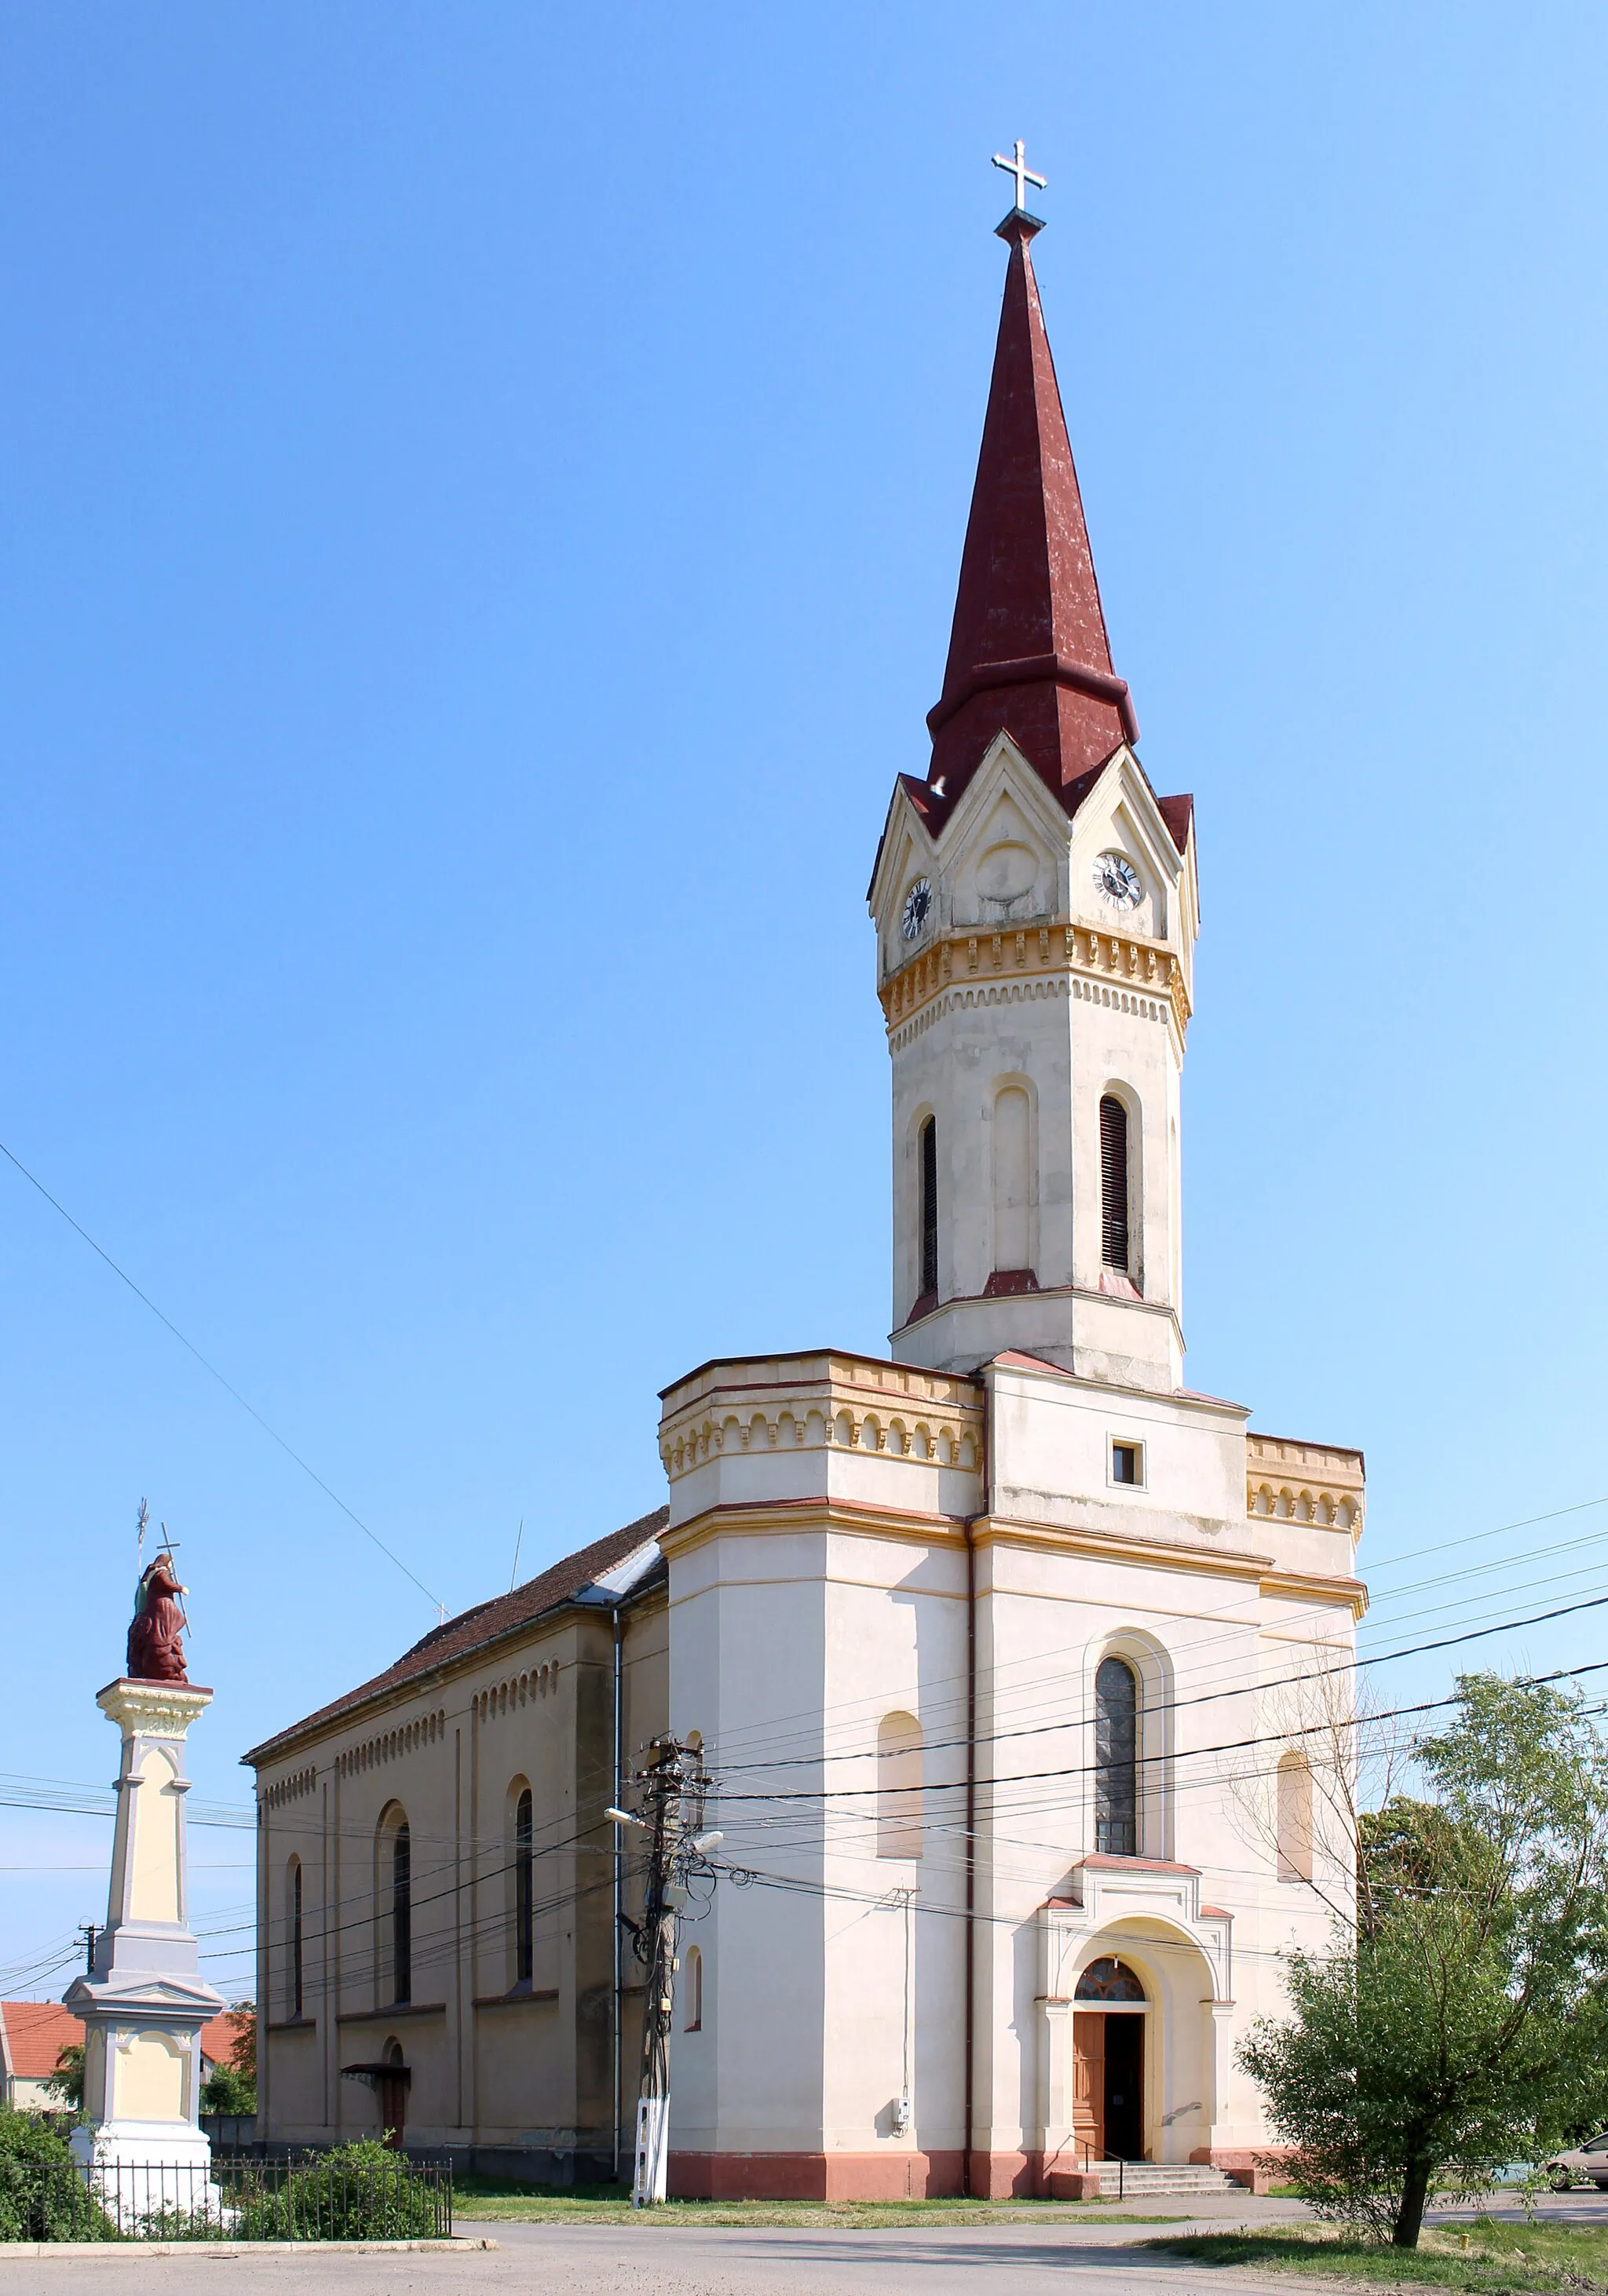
<point x="312" y="2198"/>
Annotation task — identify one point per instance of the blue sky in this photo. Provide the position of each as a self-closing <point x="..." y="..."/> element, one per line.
<point x="481" y="504"/>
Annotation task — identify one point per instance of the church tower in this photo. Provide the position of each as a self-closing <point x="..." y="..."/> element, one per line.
<point x="1035" y="905"/>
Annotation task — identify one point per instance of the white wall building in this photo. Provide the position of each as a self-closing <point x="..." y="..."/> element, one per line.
<point x="1019" y="1667"/>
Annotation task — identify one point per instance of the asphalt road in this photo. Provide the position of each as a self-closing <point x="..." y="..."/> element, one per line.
<point x="1072" y="2256"/>
<point x="1075" y="2257"/>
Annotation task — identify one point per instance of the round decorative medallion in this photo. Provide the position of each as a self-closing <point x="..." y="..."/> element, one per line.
<point x="1118" y="880"/>
<point x="917" y="909"/>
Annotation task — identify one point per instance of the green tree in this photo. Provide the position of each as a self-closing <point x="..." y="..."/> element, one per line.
<point x="1456" y="2027"/>
<point x="232" y="2086"/>
<point x="67" y="2081"/>
<point x="242" y="2054"/>
<point x="226" y="2090"/>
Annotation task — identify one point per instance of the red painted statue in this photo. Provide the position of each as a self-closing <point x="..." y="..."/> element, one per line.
<point x="155" y="1652"/>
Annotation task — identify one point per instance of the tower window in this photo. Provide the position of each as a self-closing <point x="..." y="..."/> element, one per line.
<point x="1013" y="1182"/>
<point x="1128" y="1462"/>
<point x="1113" y="1185"/>
<point x="929" y="1208"/>
<point x="1116" y="1758"/>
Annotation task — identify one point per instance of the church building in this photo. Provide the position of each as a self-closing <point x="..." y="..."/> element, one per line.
<point x="1019" y="1671"/>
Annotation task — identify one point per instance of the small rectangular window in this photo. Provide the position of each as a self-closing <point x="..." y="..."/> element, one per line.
<point x="1127" y="1463"/>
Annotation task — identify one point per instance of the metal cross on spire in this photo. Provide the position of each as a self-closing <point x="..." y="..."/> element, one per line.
<point x="1019" y="167"/>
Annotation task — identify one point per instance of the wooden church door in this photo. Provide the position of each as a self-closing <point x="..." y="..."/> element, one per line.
<point x="1088" y="2078"/>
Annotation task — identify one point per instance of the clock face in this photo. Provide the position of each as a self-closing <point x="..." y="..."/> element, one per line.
<point x="1118" y="880"/>
<point x="917" y="909"/>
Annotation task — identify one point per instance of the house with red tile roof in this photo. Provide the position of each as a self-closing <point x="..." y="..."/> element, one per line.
<point x="33" y="2034"/>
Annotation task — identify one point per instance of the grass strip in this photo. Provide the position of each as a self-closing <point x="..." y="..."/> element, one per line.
<point x="486" y="2200"/>
<point x="1496" y="2259"/>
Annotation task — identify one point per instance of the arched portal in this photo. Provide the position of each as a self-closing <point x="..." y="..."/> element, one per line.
<point x="390" y="2086"/>
<point x="1108" y="2061"/>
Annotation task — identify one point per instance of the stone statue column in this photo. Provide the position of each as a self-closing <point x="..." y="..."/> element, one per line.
<point x="145" y="2001"/>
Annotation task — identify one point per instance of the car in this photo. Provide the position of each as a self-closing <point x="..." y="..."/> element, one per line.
<point x="1587" y="2163"/>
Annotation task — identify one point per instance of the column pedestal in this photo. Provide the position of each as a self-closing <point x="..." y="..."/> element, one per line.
<point x="145" y="2001"/>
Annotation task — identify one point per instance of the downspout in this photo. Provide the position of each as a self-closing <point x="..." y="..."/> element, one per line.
<point x="616" y="2034"/>
<point x="965" y="2118"/>
<point x="971" y="1799"/>
<point x="969" y="1529"/>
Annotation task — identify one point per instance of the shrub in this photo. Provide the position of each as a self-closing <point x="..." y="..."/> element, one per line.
<point x="43" y="2195"/>
<point x="357" y="2192"/>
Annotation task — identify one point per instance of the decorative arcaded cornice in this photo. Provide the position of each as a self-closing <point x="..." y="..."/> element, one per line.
<point x="294" y="1788"/>
<point x="1120" y="960"/>
<point x="900" y="1411"/>
<point x="1318" y="1484"/>
<point x="152" y="1709"/>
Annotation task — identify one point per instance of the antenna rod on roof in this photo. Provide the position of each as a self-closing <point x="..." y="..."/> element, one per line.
<point x="513" y="1574"/>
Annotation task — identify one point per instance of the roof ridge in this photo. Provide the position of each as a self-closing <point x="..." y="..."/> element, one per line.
<point x="562" y="1582"/>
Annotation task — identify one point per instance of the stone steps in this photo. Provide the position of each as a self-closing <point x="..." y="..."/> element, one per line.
<point x="1167" y="2176"/>
<point x="1105" y="2178"/>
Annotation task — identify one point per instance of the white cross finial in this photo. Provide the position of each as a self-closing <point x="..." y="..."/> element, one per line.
<point x="1019" y="167"/>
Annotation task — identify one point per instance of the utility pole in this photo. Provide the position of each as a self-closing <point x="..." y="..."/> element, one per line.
<point x="673" y="1779"/>
<point x="89" y="1932"/>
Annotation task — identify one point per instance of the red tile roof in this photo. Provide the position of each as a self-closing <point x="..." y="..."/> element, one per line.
<point x="217" y="2037"/>
<point x="486" y="1622"/>
<point x="33" y="2034"/>
<point x="1178" y="812"/>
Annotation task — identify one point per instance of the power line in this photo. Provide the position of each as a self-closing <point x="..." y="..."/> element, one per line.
<point x="211" y="1369"/>
<point x="1227" y="1746"/>
<point x="1199" y="1698"/>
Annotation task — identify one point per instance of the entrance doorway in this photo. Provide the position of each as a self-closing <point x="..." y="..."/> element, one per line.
<point x="1125" y="2086"/>
<point x="1108" y="2062"/>
<point x="392" y="2088"/>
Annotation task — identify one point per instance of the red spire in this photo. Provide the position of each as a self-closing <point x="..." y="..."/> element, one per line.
<point x="1028" y="651"/>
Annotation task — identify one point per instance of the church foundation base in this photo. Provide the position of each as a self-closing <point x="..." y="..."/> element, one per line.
<point x="815" y="2175"/>
<point x="1251" y="2169"/>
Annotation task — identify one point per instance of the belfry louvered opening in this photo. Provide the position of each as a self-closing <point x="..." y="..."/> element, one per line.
<point x="929" y="1208"/>
<point x="1113" y="1185"/>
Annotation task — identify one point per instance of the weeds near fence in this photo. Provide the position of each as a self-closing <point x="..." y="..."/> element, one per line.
<point x="359" y="2192"/>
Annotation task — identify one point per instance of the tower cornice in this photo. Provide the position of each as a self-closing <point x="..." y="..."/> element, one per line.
<point x="1120" y="965"/>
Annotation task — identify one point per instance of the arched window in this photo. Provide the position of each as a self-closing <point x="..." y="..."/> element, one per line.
<point x="929" y="1143"/>
<point x="898" y="1786"/>
<point x="1116" y="1758"/>
<point x="402" y="1915"/>
<point x="1113" y="1185"/>
<point x="1295" y="1818"/>
<point x="1013" y="1181"/>
<point x="293" y="1940"/>
<point x="524" y="1889"/>
<point x="692" y="1990"/>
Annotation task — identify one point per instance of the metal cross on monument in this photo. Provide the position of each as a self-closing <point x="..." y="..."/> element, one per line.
<point x="1024" y="175"/>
